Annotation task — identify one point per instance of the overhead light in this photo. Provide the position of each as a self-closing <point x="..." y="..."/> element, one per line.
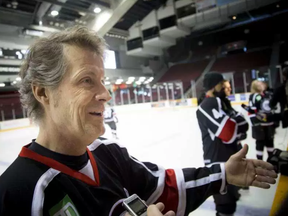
<point x="2" y="84"/>
<point x="277" y="5"/>
<point x="151" y="79"/>
<point x="142" y="79"/>
<point x="129" y="82"/>
<point x="107" y="78"/>
<point x="1" y="52"/>
<point x="234" y="17"/>
<point x="18" y="79"/>
<point x="40" y="23"/>
<point x="97" y="10"/>
<point x="20" y="56"/>
<point x="56" y="24"/>
<point x="118" y="81"/>
<point x="138" y="82"/>
<point x="14" y="82"/>
<point x="8" y="5"/>
<point x="131" y="78"/>
<point x="23" y="52"/>
<point x="54" y="13"/>
<point x="107" y="83"/>
<point x="33" y="32"/>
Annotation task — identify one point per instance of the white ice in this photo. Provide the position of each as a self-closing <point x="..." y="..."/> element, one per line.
<point x="169" y="137"/>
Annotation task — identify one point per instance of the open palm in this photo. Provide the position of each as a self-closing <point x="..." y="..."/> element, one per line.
<point x="248" y="172"/>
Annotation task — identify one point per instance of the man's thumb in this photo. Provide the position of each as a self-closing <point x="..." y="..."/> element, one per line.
<point x="242" y="153"/>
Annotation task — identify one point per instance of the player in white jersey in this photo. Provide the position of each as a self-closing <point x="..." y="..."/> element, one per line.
<point x="111" y="119"/>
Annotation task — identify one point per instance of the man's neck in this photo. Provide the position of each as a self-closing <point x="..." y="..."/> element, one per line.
<point x="50" y="138"/>
<point x="210" y="93"/>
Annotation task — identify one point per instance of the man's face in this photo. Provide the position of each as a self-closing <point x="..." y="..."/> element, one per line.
<point x="227" y="88"/>
<point x="77" y="105"/>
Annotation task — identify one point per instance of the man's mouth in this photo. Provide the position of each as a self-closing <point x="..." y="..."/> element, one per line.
<point x="100" y="114"/>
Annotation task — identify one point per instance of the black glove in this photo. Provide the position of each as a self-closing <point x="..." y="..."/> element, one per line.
<point x="279" y="159"/>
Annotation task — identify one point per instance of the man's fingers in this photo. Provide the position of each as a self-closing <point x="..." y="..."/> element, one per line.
<point x="160" y="206"/>
<point x="265" y="179"/>
<point x="263" y="164"/>
<point x="170" y="213"/>
<point x="260" y="184"/>
<point x="265" y="172"/>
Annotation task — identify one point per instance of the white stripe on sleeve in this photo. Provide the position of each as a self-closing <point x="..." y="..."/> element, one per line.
<point x="203" y="181"/>
<point x="39" y="196"/>
<point x="208" y="116"/>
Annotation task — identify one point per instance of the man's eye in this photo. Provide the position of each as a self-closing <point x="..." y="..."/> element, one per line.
<point x="87" y="80"/>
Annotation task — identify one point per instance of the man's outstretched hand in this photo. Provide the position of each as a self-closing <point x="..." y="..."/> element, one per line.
<point x="248" y="172"/>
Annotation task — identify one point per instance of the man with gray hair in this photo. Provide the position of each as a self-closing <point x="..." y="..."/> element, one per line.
<point x="69" y="170"/>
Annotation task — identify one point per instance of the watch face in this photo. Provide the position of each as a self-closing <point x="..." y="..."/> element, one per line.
<point x="138" y="206"/>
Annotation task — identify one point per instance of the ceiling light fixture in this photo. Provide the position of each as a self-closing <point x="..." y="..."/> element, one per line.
<point x="118" y="81"/>
<point x="18" y="79"/>
<point x="2" y="84"/>
<point x="234" y="17"/>
<point x="54" y="13"/>
<point x="97" y="10"/>
<point x="40" y="23"/>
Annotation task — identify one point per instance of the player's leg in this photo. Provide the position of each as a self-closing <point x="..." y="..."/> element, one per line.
<point x="270" y="139"/>
<point x="259" y="149"/>
<point x="270" y="146"/>
<point x="226" y="204"/>
<point x="114" y="130"/>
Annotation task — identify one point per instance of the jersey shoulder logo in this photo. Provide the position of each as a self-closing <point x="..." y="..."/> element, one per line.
<point x="64" y="208"/>
<point x="258" y="98"/>
<point x="217" y="114"/>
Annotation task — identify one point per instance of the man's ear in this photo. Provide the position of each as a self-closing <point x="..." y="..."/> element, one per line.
<point x="41" y="94"/>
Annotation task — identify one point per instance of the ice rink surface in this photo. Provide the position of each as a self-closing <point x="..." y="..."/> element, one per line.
<point x="169" y="137"/>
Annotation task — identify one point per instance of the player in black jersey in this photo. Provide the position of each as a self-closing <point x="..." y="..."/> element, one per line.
<point x="111" y="119"/>
<point x="262" y="130"/>
<point x="222" y="128"/>
<point x="70" y="170"/>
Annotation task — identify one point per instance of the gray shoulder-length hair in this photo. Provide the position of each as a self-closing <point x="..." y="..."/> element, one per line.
<point x="46" y="64"/>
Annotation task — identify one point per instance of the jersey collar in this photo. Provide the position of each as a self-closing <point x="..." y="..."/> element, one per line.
<point x="27" y="153"/>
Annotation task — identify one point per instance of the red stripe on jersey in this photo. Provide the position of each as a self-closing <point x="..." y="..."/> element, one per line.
<point x="170" y="194"/>
<point x="228" y="130"/>
<point x="27" y="153"/>
<point x="94" y="166"/>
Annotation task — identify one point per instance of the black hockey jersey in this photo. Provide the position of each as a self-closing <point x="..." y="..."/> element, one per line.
<point x="41" y="186"/>
<point x="220" y="130"/>
<point x="260" y="103"/>
<point x="109" y="114"/>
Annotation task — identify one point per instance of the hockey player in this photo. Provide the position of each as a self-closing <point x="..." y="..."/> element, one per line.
<point x="111" y="119"/>
<point x="70" y="170"/>
<point x="221" y="127"/>
<point x="262" y="130"/>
